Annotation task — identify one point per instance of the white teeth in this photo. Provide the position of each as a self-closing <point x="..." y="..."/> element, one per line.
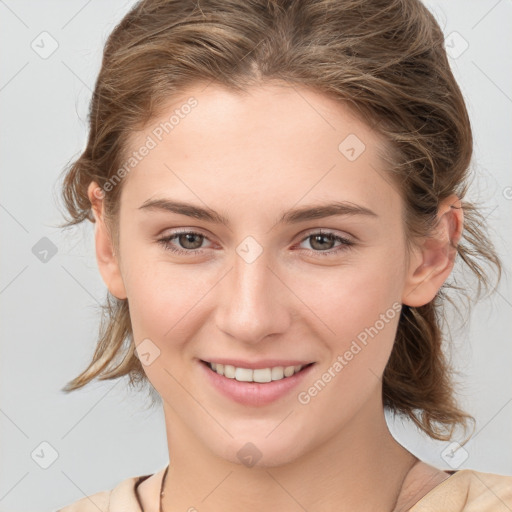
<point x="258" y="375"/>
<point x="277" y="373"/>
<point x="262" y="375"/>
<point x="229" y="371"/>
<point x="243" y="374"/>
<point x="289" y="371"/>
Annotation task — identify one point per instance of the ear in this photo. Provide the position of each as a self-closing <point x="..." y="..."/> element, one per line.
<point x="432" y="261"/>
<point x="108" y="263"/>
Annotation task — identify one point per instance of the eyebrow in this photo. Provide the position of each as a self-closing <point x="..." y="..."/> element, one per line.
<point x="293" y="216"/>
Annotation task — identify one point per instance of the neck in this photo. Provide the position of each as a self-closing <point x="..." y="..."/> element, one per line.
<point x="361" y="468"/>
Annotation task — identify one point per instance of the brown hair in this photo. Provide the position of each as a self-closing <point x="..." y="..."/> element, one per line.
<point x="385" y="59"/>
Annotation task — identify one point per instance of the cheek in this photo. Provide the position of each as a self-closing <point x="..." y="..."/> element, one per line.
<point x="162" y="299"/>
<point x="361" y="306"/>
<point x="153" y="291"/>
<point x="353" y="297"/>
<point x="163" y="309"/>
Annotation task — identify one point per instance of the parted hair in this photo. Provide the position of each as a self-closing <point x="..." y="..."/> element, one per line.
<point x="385" y="60"/>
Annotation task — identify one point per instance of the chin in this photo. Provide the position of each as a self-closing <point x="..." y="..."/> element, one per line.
<point x="259" y="451"/>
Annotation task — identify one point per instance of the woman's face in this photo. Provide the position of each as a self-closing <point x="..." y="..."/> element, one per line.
<point x="257" y="177"/>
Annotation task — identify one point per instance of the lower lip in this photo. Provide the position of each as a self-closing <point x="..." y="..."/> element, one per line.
<point x="254" y="393"/>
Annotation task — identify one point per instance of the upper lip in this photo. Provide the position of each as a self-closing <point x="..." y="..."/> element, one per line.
<point x="262" y="363"/>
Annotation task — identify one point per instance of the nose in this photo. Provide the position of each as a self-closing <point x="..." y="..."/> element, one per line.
<point x="252" y="301"/>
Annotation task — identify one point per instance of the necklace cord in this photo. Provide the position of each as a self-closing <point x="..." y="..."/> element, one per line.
<point x="392" y="510"/>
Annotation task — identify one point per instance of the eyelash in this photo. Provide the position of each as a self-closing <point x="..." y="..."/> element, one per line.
<point x="345" y="243"/>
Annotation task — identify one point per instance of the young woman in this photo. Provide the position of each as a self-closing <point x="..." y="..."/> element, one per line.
<point x="278" y="193"/>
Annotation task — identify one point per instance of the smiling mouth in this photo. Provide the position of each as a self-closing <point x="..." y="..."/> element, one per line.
<point x="259" y="375"/>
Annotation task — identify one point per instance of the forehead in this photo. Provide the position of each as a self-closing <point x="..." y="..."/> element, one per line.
<point x="271" y="143"/>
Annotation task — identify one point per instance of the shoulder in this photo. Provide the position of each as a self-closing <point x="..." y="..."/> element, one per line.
<point x="122" y="498"/>
<point x="468" y="490"/>
<point x="93" y="503"/>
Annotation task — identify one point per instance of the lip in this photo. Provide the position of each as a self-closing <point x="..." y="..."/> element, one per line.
<point x="254" y="394"/>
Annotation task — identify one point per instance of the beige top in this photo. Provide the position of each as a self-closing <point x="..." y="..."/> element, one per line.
<point x="465" y="490"/>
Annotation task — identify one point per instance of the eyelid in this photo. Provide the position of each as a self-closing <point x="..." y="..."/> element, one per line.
<point x="328" y="232"/>
<point x="304" y="235"/>
<point x="172" y="232"/>
<point x="178" y="231"/>
<point x="184" y="231"/>
<point x="345" y="243"/>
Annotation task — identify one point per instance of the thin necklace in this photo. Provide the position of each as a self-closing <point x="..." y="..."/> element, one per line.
<point x="392" y="510"/>
<point x="162" y="487"/>
<point x="402" y="484"/>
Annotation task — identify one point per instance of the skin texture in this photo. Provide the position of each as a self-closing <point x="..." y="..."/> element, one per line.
<point x="250" y="158"/>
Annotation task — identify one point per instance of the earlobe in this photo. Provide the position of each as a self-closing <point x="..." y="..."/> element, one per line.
<point x="432" y="261"/>
<point x="108" y="262"/>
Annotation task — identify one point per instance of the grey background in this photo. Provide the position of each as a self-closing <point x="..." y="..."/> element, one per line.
<point x="50" y="310"/>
